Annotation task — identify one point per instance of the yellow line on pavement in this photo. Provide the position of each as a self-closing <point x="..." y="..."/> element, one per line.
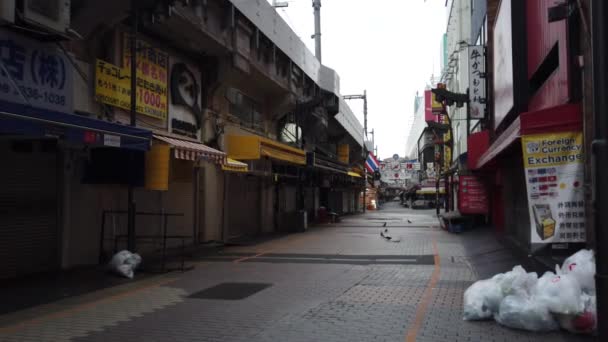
<point x="81" y="307"/>
<point x="249" y="257"/>
<point x="412" y="332"/>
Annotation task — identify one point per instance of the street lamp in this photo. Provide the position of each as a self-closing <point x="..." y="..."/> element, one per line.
<point x="364" y="98"/>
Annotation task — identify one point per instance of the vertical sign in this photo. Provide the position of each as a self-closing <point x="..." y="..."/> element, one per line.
<point x="477" y="82"/>
<point x="34" y="70"/>
<point x="472" y="196"/>
<point x="554" y="165"/>
<point x="152" y="69"/>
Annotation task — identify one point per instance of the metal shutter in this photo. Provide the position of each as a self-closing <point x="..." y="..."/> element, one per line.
<point x="28" y="211"/>
<point x="243" y="206"/>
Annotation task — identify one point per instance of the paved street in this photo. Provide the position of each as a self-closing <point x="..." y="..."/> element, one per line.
<point x="340" y="282"/>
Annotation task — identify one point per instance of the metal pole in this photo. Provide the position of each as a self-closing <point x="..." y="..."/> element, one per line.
<point x="365" y="112"/>
<point x="365" y="189"/>
<point x="316" y="4"/>
<point x="131" y="203"/>
<point x="599" y="33"/>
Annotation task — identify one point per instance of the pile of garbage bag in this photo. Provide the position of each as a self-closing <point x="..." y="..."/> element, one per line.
<point x="124" y="263"/>
<point x="518" y="299"/>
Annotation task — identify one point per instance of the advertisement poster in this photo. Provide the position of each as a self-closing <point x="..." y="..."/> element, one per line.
<point x="152" y="77"/>
<point x="554" y="179"/>
<point x="472" y="196"/>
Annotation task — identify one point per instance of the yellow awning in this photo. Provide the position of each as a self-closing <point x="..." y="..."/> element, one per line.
<point x="234" y="166"/>
<point x="252" y="147"/>
<point x="354" y="174"/>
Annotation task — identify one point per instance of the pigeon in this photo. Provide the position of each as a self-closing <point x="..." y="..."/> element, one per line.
<point x="384" y="224"/>
<point x="409" y="221"/>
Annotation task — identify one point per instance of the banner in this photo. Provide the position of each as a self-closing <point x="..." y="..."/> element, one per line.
<point x="554" y="179"/>
<point x="472" y="196"/>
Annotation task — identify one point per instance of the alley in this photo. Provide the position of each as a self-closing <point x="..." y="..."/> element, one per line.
<point x="339" y="282"/>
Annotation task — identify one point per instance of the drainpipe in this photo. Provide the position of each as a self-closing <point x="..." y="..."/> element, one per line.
<point x="131" y="202"/>
<point x="599" y="35"/>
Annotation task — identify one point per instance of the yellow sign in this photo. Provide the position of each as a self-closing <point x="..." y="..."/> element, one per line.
<point x="553" y="149"/>
<point x="112" y="85"/>
<point x="343" y="153"/>
<point x="436" y="106"/>
<point x="152" y="71"/>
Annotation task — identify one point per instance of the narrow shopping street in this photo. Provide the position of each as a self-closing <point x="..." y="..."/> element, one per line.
<point x="336" y="282"/>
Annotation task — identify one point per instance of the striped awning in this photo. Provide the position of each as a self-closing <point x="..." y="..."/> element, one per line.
<point x="188" y="150"/>
<point x="235" y="166"/>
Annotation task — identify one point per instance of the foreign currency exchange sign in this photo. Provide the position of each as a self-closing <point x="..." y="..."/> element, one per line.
<point x="34" y="70"/>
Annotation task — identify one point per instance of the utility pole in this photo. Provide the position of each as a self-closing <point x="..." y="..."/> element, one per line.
<point x="364" y="98"/>
<point x="316" y="4"/>
<point x="599" y="35"/>
<point x="133" y="122"/>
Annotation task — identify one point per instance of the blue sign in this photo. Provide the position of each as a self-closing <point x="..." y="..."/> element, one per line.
<point x="36" y="71"/>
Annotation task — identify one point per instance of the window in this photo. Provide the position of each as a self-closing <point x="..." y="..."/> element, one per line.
<point x="289" y="131"/>
<point x="244" y="108"/>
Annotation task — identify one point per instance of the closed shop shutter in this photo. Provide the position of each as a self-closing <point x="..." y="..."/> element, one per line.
<point x="28" y="208"/>
<point x="243" y="206"/>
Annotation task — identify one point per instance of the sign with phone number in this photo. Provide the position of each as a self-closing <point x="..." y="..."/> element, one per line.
<point x="113" y="87"/>
<point x="34" y="73"/>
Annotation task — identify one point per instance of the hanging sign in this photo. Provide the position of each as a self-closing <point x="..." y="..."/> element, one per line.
<point x="477" y="82"/>
<point x="554" y="166"/>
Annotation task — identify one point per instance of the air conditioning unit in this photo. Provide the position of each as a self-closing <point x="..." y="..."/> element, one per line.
<point x="53" y="15"/>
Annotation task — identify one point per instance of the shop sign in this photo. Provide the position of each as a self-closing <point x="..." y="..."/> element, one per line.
<point x="432" y="108"/>
<point x="477" y="82"/>
<point x="554" y="165"/>
<point x="185" y="112"/>
<point x="472" y="196"/>
<point x="344" y="153"/>
<point x="152" y="70"/>
<point x="37" y="71"/>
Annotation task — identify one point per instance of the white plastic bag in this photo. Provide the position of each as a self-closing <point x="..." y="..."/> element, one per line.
<point x="561" y="294"/>
<point x="582" y="323"/>
<point x="481" y="300"/>
<point x="582" y="265"/>
<point x="516" y="281"/>
<point x="124" y="263"/>
<point x="521" y="312"/>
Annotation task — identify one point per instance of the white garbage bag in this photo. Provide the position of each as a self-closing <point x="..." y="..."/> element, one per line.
<point x="124" y="263"/>
<point x="561" y="294"/>
<point x="481" y="300"/>
<point x="522" y="312"/>
<point x="516" y="282"/>
<point x="584" y="322"/>
<point x="582" y="265"/>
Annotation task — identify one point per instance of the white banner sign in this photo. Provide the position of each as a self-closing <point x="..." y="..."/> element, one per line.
<point x="554" y="166"/>
<point x="477" y="82"/>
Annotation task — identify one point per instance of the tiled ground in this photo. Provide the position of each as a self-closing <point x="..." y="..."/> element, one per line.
<point x="316" y="294"/>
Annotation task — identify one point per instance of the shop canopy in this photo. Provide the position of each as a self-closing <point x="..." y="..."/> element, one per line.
<point x="190" y="150"/>
<point x="317" y="160"/>
<point x="234" y="166"/>
<point x="354" y="174"/>
<point x="561" y="118"/>
<point x="253" y="147"/>
<point x="21" y="119"/>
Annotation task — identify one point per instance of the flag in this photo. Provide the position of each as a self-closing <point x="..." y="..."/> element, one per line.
<point x="371" y="164"/>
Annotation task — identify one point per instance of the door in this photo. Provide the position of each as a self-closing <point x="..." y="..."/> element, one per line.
<point x="244" y="210"/>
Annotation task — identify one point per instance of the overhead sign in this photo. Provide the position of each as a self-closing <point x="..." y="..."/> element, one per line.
<point x="432" y="108"/>
<point x="152" y="71"/>
<point x="472" y="196"/>
<point x="36" y="71"/>
<point x="554" y="167"/>
<point x="477" y="82"/>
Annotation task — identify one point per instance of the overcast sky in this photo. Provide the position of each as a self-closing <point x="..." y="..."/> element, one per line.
<point x="389" y="47"/>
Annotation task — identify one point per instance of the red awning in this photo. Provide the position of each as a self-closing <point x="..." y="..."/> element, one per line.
<point x="562" y="118"/>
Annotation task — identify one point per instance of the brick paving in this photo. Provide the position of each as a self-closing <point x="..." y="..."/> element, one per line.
<point x="308" y="301"/>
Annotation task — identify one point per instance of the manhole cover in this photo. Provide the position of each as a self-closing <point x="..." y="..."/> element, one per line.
<point x="230" y="291"/>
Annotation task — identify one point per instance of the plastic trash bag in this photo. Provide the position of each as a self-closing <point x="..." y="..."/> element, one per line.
<point x="521" y="312"/>
<point x="124" y="263"/>
<point x="582" y="266"/>
<point x="482" y="299"/>
<point x="584" y="322"/>
<point x="561" y="294"/>
<point x="516" y="282"/>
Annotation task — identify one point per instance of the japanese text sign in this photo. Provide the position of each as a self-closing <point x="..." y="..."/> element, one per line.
<point x="152" y="71"/>
<point x="477" y="82"/>
<point x="36" y="71"/>
<point x="554" y="179"/>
